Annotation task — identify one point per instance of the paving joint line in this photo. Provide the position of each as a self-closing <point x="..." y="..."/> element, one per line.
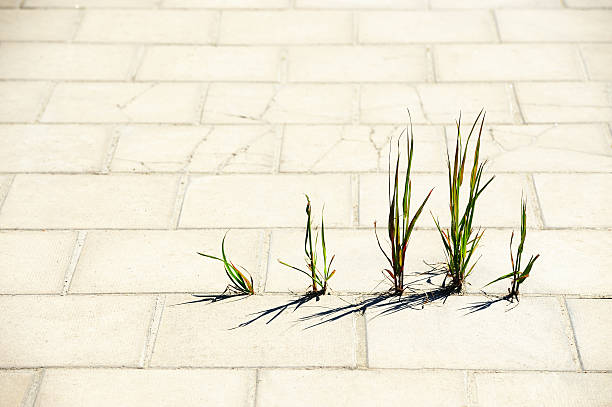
<point x="280" y="228"/>
<point x="348" y="44"/>
<point x="570" y="334"/>
<point x="30" y="397"/>
<point x="138" y="57"/>
<point x="77" y="26"/>
<point x="355" y="28"/>
<point x="321" y="173"/>
<point x="496" y="25"/>
<point x="4" y="190"/>
<point x="355" y="189"/>
<point x="111" y="150"/>
<point x="217" y="33"/>
<point x="583" y="65"/>
<point x="538" y="201"/>
<point x="202" y="106"/>
<point x="515" y="106"/>
<point x="305" y="124"/>
<point x="285" y="294"/>
<point x="74" y="261"/>
<point x="308" y="367"/>
<point x="254" y="395"/>
<point x="327" y="83"/>
<point x="432" y="77"/>
<point x="153" y="329"/>
<point x="278" y="150"/>
<point x="361" y="340"/>
<point x="263" y="260"/>
<point x="179" y="201"/>
<point x="44" y="102"/>
<point x="471" y="388"/>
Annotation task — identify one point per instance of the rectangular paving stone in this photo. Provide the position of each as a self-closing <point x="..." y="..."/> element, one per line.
<point x="588" y="3"/>
<point x="565" y="102"/>
<point x="89" y="201"/>
<point x="15" y="385"/>
<point x="543" y="147"/>
<point x="496" y="206"/>
<point x="382" y="387"/>
<point x="268" y="103"/>
<point x="373" y="4"/>
<point x="389" y="27"/>
<point x="149" y="26"/>
<point x="591" y="320"/>
<point x="435" y="103"/>
<point x="21" y="101"/>
<point x="495" y="4"/>
<point x="286" y="27"/>
<point x="357" y="148"/>
<point x="445" y="335"/>
<point x="598" y="59"/>
<point x="571" y="261"/>
<point x="189" y="388"/>
<point x="34" y="262"/>
<point x="208" y="334"/>
<point x="505" y="62"/>
<point x="267" y="200"/>
<point x="562" y="25"/>
<point x="358" y="262"/>
<point x="185" y="63"/>
<point x="544" y="389"/>
<point x="92" y="3"/>
<point x="73" y="330"/>
<point x="44" y="148"/>
<point x="32" y="25"/>
<point x="167" y="261"/>
<point x="575" y="200"/>
<point x="215" y="149"/>
<point x="337" y="64"/>
<point x="263" y="4"/>
<point x="9" y="3"/>
<point x="124" y="103"/>
<point x="65" y="61"/>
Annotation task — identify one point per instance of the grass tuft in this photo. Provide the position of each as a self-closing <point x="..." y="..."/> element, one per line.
<point x="239" y="283"/>
<point x="518" y="276"/>
<point x="461" y="240"/>
<point x="318" y="279"/>
<point x="399" y="224"/>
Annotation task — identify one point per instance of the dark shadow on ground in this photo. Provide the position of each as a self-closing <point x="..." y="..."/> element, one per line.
<point x="382" y="304"/>
<point x="211" y="298"/>
<point x="274" y="312"/>
<point x="483" y="305"/>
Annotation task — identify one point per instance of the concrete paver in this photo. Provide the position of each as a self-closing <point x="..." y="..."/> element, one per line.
<point x="134" y="133"/>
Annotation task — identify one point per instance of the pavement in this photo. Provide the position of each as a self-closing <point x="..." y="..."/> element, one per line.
<point x="134" y="133"/>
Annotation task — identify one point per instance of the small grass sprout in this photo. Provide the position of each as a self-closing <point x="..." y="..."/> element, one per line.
<point x="317" y="277"/>
<point x="461" y="240"/>
<point x="518" y="276"/>
<point x="399" y="225"/>
<point x="239" y="283"/>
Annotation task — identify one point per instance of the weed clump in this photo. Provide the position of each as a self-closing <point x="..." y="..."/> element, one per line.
<point x="239" y="283"/>
<point x="461" y="240"/>
<point x="317" y="277"/>
<point x="399" y="225"/>
<point x="518" y="276"/>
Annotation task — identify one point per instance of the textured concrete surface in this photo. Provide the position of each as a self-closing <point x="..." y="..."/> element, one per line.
<point x="134" y="133"/>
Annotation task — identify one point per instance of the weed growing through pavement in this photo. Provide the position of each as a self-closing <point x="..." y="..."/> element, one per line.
<point x="318" y="278"/>
<point x="461" y="240"/>
<point x="239" y="283"/>
<point x="518" y="276"/>
<point x="399" y="225"/>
